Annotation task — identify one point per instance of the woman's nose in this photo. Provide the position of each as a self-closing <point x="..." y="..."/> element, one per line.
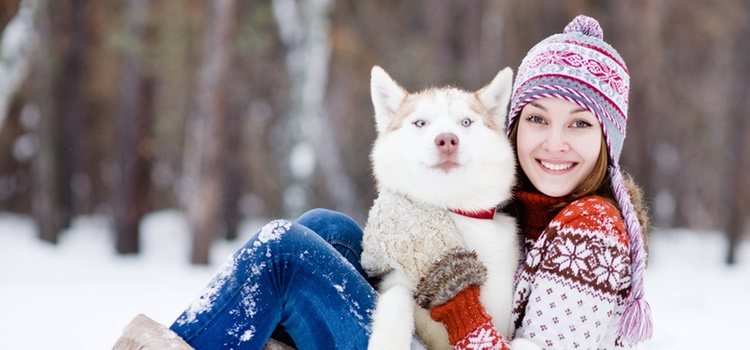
<point x="556" y="141"/>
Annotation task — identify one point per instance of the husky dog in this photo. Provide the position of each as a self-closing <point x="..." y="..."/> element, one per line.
<point x="440" y="159"/>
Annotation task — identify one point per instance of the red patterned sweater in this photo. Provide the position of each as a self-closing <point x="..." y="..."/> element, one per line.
<point x="571" y="289"/>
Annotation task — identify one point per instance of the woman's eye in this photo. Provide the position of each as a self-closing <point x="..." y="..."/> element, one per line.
<point x="581" y="124"/>
<point x="419" y="123"/>
<point x="535" y="119"/>
<point x="466" y="122"/>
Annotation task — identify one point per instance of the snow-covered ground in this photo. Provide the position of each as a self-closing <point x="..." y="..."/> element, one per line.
<point x="79" y="294"/>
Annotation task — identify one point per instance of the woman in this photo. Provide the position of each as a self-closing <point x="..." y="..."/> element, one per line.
<point x="579" y="286"/>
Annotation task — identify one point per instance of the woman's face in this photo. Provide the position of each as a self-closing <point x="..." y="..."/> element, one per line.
<point x="558" y="144"/>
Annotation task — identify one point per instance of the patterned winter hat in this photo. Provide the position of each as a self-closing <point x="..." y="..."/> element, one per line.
<point x="580" y="67"/>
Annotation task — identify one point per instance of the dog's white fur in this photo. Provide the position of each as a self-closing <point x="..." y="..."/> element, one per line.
<point x="404" y="158"/>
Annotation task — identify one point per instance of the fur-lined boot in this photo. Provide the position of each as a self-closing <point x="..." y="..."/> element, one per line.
<point x="143" y="333"/>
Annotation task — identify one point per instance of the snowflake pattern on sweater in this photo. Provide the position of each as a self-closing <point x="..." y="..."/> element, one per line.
<point x="571" y="289"/>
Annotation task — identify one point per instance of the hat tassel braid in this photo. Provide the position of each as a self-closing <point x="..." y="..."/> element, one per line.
<point x="636" y="324"/>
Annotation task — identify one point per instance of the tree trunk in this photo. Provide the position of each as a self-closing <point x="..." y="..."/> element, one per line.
<point x="135" y="117"/>
<point x="45" y="167"/>
<point x="231" y="192"/>
<point x="68" y="20"/>
<point x="738" y="144"/>
<point x="304" y="28"/>
<point x="204" y="199"/>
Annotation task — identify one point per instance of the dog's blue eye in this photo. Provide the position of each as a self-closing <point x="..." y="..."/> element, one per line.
<point x="419" y="123"/>
<point x="466" y="122"/>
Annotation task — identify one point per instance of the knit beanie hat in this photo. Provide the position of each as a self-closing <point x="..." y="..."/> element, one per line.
<point x="578" y="66"/>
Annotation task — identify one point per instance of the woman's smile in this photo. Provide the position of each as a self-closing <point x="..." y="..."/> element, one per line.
<point x="556" y="167"/>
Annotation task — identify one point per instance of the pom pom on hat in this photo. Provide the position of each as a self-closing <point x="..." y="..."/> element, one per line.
<point x="586" y="26"/>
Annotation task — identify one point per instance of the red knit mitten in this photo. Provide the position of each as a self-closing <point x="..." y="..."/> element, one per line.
<point x="462" y="314"/>
<point x="468" y="326"/>
<point x="450" y="290"/>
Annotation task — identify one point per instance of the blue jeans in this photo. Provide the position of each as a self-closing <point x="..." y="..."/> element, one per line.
<point x="304" y="276"/>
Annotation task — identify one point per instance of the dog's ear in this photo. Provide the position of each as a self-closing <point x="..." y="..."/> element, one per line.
<point x="496" y="95"/>
<point x="387" y="96"/>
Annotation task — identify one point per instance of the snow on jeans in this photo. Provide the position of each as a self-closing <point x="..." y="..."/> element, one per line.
<point x="304" y="276"/>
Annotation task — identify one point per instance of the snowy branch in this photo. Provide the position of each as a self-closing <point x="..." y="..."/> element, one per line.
<point x="16" y="49"/>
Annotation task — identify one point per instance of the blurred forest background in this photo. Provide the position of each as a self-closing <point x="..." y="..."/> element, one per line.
<point x="232" y="109"/>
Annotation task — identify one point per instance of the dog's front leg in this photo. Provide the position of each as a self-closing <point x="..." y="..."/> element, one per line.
<point x="393" y="320"/>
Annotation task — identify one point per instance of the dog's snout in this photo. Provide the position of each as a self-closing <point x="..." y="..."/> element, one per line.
<point x="447" y="142"/>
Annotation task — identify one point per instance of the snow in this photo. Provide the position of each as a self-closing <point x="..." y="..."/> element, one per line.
<point x="273" y="230"/>
<point x="205" y="301"/>
<point x="79" y="294"/>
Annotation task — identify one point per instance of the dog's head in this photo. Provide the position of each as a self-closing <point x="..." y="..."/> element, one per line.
<point x="443" y="146"/>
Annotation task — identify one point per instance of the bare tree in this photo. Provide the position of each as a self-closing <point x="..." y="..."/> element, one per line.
<point x="206" y="143"/>
<point x="136" y="114"/>
<point x="72" y="17"/>
<point x="304" y="28"/>
<point x="56" y="82"/>
<point x="231" y="193"/>
<point x="738" y="145"/>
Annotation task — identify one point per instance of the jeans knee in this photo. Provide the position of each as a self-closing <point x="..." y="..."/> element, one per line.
<point x="316" y="230"/>
<point x="281" y="237"/>
<point x="322" y="215"/>
<point x="332" y="225"/>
